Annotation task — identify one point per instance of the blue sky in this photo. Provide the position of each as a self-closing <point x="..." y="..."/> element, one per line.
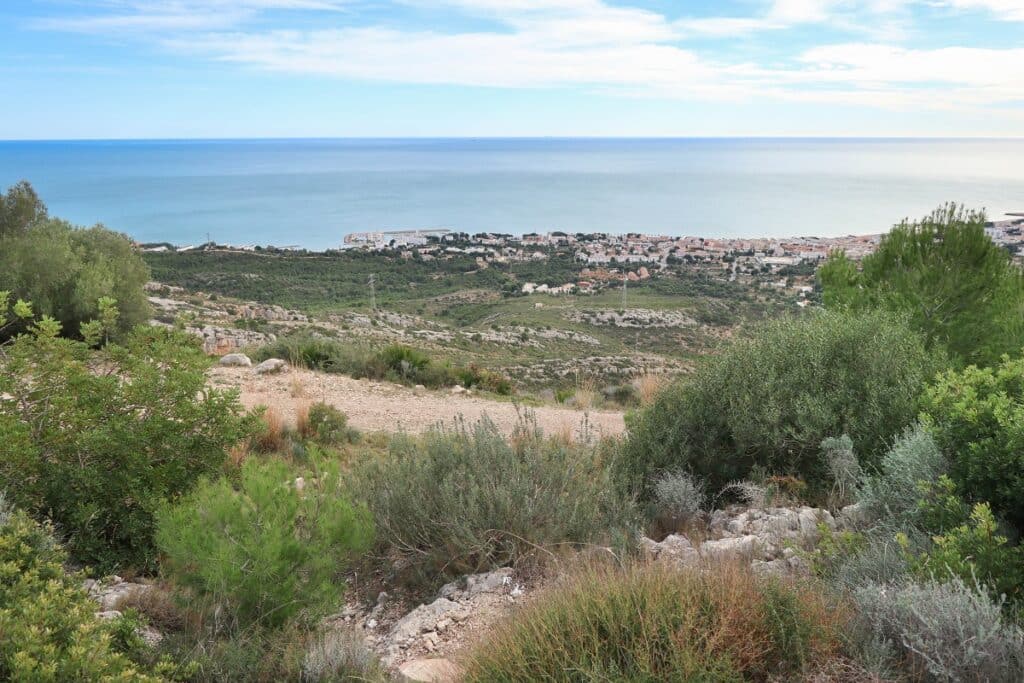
<point x="310" y="68"/>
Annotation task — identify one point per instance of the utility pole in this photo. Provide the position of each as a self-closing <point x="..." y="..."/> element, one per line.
<point x="373" y="293"/>
<point x="625" y="279"/>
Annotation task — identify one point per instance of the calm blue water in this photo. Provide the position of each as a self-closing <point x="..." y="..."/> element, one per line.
<point x="313" y="192"/>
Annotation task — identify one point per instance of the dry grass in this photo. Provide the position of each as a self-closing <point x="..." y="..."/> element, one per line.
<point x="272" y="438"/>
<point x="666" y="624"/>
<point x="586" y="393"/>
<point x="648" y="387"/>
<point x="297" y="387"/>
<point x="160" y="608"/>
<point x="302" y="424"/>
<point x="238" y="453"/>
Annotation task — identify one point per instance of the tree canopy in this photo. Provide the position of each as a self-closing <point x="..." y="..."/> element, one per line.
<point x="960" y="289"/>
<point x="20" y="207"/>
<point x="65" y="270"/>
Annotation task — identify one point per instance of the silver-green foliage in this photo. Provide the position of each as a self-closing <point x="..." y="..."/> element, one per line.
<point x="678" y="494"/>
<point x="844" y="469"/>
<point x="890" y="497"/>
<point x="950" y="630"/>
<point x="341" y="655"/>
<point x="460" y="500"/>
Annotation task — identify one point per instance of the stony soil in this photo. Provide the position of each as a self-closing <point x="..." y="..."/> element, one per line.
<point x="382" y="406"/>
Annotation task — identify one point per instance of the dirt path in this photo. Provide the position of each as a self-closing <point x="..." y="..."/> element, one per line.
<point x="382" y="406"/>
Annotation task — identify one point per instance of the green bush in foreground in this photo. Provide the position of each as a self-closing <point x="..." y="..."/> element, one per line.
<point x="465" y="500"/>
<point x="96" y="440"/>
<point x="661" y="624"/>
<point x="977" y="418"/>
<point x="48" y="627"/>
<point x="768" y="400"/>
<point x="266" y="549"/>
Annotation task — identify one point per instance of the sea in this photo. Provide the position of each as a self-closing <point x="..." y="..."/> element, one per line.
<point x="312" y="192"/>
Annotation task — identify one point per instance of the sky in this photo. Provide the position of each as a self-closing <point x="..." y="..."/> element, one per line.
<point x="105" y="69"/>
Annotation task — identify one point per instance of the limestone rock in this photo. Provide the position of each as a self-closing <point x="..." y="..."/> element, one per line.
<point x="239" y="360"/>
<point x="675" y="548"/>
<point x="746" y="547"/>
<point x="432" y="670"/>
<point x="270" y="365"/>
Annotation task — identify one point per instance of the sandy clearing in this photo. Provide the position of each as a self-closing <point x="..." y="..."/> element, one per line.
<point x="382" y="406"/>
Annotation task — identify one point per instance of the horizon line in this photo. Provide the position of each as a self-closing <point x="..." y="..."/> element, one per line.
<point x="513" y="137"/>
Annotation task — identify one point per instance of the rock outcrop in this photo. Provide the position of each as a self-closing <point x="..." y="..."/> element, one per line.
<point x="766" y="538"/>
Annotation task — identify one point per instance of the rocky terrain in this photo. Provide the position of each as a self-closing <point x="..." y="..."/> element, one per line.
<point x="424" y="643"/>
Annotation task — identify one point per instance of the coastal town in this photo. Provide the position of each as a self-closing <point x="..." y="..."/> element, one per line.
<point x="610" y="260"/>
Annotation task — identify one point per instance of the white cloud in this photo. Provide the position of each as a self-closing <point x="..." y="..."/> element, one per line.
<point x="1012" y="10"/>
<point x="591" y="44"/>
<point x="174" y="15"/>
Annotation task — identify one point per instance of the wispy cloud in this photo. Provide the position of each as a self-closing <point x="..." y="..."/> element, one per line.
<point x="594" y="44"/>
<point x="173" y="15"/>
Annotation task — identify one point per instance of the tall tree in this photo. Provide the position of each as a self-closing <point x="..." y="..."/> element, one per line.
<point x="20" y="207"/>
<point x="958" y="287"/>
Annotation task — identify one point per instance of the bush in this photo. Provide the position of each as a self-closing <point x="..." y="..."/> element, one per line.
<point x="464" y="500"/>
<point x="267" y="548"/>
<point x="975" y="551"/>
<point x="661" y="624"/>
<point x="977" y="417"/>
<point x="768" y="400"/>
<point x="890" y="496"/>
<point x="96" y="440"/>
<point x="329" y="426"/>
<point x="395" y="363"/>
<point x="949" y="630"/>
<point x="48" y="627"/>
<point x="340" y="655"/>
<point x="843" y="468"/>
<point x="678" y="496"/>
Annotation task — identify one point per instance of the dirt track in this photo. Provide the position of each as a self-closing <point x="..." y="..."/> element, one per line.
<point x="382" y="406"/>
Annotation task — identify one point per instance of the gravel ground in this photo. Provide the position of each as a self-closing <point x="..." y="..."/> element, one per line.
<point x="382" y="406"/>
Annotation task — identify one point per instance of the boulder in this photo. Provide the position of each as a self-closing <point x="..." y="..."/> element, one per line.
<point x="498" y="581"/>
<point x="432" y="670"/>
<point x="269" y="366"/>
<point x="237" y="360"/>
<point x="675" y="548"/>
<point x="742" y="548"/>
<point x="425" y="618"/>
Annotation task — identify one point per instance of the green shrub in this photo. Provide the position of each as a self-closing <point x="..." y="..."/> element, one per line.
<point x="768" y="400"/>
<point x="977" y="417"/>
<point x="329" y="426"/>
<point x="976" y="552"/>
<point x="947" y="630"/>
<point x="661" y="624"/>
<point x="395" y="363"/>
<point x="48" y="627"/>
<point x="267" y="548"/>
<point x="459" y="501"/>
<point x="96" y="440"/>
